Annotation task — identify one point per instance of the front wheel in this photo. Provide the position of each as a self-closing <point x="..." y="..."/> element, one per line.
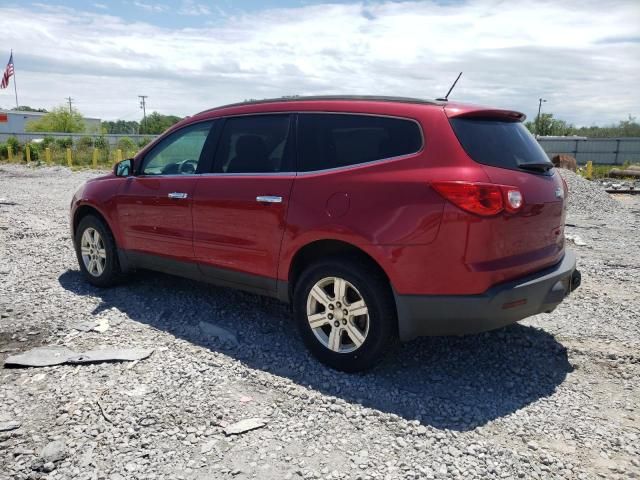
<point x="345" y="313"/>
<point x="96" y="252"/>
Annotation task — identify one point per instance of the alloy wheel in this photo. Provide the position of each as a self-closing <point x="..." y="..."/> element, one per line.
<point x="93" y="251"/>
<point x="338" y="315"/>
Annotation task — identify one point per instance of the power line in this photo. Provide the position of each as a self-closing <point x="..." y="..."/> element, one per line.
<point x="143" y="106"/>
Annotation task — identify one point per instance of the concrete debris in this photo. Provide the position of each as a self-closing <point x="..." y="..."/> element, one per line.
<point x="576" y="239"/>
<point x="8" y="425"/>
<point x="40" y="357"/>
<point x="245" y="425"/>
<point x="49" y="356"/>
<point x="211" y="330"/>
<point x="100" y="326"/>
<point x="54" y="451"/>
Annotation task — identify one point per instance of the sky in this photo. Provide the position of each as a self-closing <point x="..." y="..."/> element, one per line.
<point x="582" y="57"/>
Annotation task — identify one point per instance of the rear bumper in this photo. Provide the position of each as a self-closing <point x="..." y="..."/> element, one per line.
<point x="503" y="304"/>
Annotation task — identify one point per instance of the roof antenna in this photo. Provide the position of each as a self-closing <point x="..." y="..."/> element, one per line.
<point x="446" y="97"/>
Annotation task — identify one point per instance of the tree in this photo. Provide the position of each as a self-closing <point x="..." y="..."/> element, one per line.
<point x="26" y="108"/>
<point x="157" y="123"/>
<point x="547" y="125"/>
<point x="58" y="120"/>
<point x="553" y="126"/>
<point x="121" y="127"/>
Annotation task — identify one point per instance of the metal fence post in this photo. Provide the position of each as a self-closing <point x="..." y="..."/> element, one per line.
<point x="10" y="153"/>
<point x="95" y="158"/>
<point x="69" y="160"/>
<point x="27" y="150"/>
<point x="118" y="155"/>
<point x="47" y="155"/>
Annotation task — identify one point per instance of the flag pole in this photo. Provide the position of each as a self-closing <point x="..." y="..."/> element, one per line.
<point x="15" y="87"/>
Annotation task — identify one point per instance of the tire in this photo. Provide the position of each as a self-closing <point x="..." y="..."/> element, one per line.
<point x="344" y="339"/>
<point x="106" y="271"/>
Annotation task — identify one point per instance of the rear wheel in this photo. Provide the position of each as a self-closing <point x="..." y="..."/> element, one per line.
<point x="96" y="252"/>
<point x="345" y="313"/>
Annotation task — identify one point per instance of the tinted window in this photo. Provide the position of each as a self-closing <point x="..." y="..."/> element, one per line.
<point x="254" y="144"/>
<point x="331" y="140"/>
<point x="179" y="153"/>
<point x="498" y="143"/>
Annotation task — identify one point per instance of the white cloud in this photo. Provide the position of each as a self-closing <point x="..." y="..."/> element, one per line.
<point x="151" y="7"/>
<point x="101" y="6"/>
<point x="583" y="57"/>
<point x="191" y="8"/>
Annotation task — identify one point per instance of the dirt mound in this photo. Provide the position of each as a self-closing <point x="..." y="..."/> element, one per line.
<point x="589" y="198"/>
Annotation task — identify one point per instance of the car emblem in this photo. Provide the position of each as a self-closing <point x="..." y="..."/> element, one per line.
<point x="559" y="193"/>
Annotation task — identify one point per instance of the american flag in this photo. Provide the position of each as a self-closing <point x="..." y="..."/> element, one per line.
<point x="7" y="73"/>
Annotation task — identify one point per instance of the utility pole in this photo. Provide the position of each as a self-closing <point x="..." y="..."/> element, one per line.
<point x="143" y="106"/>
<point x="540" y="101"/>
<point x="70" y="100"/>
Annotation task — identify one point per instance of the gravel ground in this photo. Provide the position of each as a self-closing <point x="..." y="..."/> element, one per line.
<point x="554" y="397"/>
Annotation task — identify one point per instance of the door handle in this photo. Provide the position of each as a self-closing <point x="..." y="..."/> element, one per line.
<point x="269" y="199"/>
<point x="178" y="195"/>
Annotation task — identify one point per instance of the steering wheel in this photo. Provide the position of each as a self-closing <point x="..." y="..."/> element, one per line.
<point x="188" y="166"/>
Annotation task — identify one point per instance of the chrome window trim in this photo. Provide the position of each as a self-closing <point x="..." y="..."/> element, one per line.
<point x="372" y="162"/>
<point x="310" y="172"/>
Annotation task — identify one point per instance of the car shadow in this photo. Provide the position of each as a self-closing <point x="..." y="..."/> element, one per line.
<point x="457" y="383"/>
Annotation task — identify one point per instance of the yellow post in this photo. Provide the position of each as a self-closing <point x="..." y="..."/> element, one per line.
<point x="28" y="152"/>
<point x="118" y="155"/>
<point x="95" y="158"/>
<point x="69" y="161"/>
<point x="47" y="155"/>
<point x="10" y="153"/>
<point x="589" y="173"/>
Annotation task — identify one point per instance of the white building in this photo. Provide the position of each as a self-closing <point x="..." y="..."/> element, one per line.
<point x="15" y="121"/>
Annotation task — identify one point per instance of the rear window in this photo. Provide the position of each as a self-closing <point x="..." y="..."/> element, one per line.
<point x="337" y="140"/>
<point x="498" y="143"/>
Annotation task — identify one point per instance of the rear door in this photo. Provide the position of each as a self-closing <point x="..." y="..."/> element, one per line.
<point x="154" y="206"/>
<point x="240" y="206"/>
<point x="510" y="155"/>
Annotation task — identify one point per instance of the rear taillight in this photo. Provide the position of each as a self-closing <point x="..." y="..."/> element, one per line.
<point x="484" y="199"/>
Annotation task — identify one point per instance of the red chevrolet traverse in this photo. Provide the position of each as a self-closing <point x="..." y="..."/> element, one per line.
<point x="377" y="218"/>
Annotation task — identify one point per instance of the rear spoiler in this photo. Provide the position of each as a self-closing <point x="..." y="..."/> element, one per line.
<point x="465" y="111"/>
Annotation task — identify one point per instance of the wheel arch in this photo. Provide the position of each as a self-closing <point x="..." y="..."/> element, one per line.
<point x="87" y="209"/>
<point x="310" y="252"/>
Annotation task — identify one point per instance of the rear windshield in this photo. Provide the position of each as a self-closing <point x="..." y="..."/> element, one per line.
<point x="498" y="143"/>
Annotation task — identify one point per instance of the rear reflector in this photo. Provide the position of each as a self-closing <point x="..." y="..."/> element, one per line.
<point x="485" y="199"/>
<point x="514" y="200"/>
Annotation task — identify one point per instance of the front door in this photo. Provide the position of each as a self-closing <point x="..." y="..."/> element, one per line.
<point x="239" y="208"/>
<point x="154" y="206"/>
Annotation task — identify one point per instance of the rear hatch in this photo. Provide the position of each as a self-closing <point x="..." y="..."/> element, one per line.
<point x="532" y="238"/>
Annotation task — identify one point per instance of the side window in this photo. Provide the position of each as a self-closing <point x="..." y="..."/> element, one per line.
<point x="338" y="140"/>
<point x="179" y="153"/>
<point x="254" y="144"/>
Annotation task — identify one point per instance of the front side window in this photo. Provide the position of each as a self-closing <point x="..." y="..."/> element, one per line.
<point x="179" y="153"/>
<point x="254" y="144"/>
<point x="339" y="140"/>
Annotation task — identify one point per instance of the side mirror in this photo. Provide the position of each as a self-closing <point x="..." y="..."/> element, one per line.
<point x="124" y="168"/>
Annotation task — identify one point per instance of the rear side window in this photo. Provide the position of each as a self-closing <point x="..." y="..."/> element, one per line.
<point x="498" y="143"/>
<point x="338" y="140"/>
<point x="254" y="144"/>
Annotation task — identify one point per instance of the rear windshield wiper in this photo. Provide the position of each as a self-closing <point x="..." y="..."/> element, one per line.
<point x="537" y="167"/>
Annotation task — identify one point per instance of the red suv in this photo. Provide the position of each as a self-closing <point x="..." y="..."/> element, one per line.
<point x="376" y="218"/>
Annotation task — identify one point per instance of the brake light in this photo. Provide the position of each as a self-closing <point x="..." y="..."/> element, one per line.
<point x="485" y="199"/>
